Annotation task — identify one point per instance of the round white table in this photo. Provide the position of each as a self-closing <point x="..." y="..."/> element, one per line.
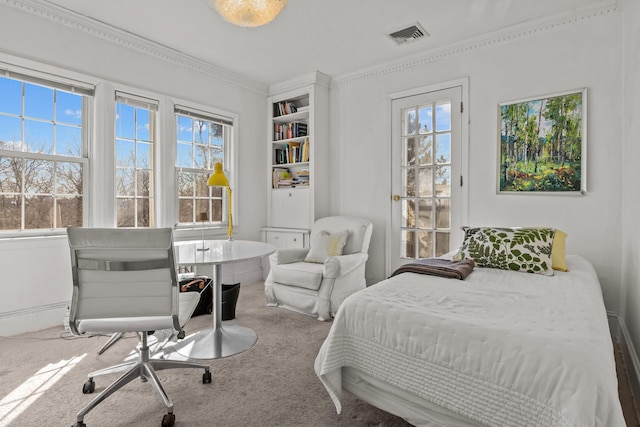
<point x="227" y="340"/>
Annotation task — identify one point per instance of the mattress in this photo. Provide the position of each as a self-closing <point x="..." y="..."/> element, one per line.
<point x="500" y="348"/>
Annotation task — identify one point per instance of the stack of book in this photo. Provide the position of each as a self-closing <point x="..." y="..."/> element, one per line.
<point x="282" y="178"/>
<point x="303" y="177"/>
<point x="283" y="108"/>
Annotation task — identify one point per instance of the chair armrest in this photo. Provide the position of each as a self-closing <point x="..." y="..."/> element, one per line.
<point x="336" y="266"/>
<point x="288" y="255"/>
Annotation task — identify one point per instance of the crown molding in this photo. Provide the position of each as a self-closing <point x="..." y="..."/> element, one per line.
<point x="129" y="40"/>
<point x="509" y="35"/>
<point x="305" y="80"/>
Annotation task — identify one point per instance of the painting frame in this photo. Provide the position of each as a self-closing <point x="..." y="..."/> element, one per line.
<point x="542" y="144"/>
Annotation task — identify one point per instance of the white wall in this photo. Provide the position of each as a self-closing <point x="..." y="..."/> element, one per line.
<point x="584" y="53"/>
<point x="630" y="309"/>
<point x="35" y="273"/>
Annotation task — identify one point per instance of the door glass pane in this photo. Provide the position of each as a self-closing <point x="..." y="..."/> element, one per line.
<point x="425" y="214"/>
<point x="425" y="148"/>
<point x="410" y="121"/>
<point x="408" y="213"/>
<point x="443" y="148"/>
<point x="408" y="245"/>
<point x="425" y="183"/>
<point x="443" y="117"/>
<point x="409" y="152"/>
<point x="443" y="181"/>
<point x="442" y="243"/>
<point x="426" y="244"/>
<point x="425" y="117"/>
<point x="443" y="213"/>
<point x="408" y="178"/>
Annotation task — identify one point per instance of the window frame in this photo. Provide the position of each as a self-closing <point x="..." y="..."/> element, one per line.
<point x="230" y="148"/>
<point x="99" y="202"/>
<point x="152" y="106"/>
<point x="63" y="81"/>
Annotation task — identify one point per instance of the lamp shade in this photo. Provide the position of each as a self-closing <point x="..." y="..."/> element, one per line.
<point x="249" y="13"/>
<point x="217" y="178"/>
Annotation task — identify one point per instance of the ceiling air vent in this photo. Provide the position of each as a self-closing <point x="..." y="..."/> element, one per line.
<point x="409" y="34"/>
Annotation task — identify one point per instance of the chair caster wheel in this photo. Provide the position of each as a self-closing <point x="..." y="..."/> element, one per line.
<point x="206" y="377"/>
<point x="181" y="335"/>
<point x="79" y="424"/>
<point x="168" y="420"/>
<point x="88" y="388"/>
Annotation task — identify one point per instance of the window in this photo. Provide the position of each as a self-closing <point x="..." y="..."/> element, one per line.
<point x="43" y="152"/>
<point x="201" y="141"/>
<point x="135" y="139"/>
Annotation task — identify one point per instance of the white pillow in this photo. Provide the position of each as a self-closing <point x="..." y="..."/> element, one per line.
<point x="327" y="245"/>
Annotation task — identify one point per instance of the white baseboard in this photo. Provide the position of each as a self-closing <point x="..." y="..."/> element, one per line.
<point x="32" y="318"/>
<point x="629" y="353"/>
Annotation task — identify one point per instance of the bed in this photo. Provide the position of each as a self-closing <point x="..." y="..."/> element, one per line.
<point x="500" y="348"/>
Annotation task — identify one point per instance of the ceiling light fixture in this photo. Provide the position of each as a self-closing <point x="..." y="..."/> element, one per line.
<point x="249" y="13"/>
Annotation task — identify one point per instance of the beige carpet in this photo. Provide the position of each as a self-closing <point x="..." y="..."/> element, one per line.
<point x="272" y="384"/>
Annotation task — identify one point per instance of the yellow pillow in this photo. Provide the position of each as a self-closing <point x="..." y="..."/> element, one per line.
<point x="326" y="245"/>
<point x="558" y="261"/>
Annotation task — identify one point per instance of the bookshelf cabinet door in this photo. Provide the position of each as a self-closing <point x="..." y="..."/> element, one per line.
<point x="290" y="208"/>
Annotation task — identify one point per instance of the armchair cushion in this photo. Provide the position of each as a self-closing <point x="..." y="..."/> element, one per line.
<point x="288" y="255"/>
<point x="299" y="274"/>
<point x="327" y="245"/>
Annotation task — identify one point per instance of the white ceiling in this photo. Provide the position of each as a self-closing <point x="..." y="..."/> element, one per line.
<point x="335" y="37"/>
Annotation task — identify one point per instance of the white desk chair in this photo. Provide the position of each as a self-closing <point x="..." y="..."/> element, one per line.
<point x="124" y="280"/>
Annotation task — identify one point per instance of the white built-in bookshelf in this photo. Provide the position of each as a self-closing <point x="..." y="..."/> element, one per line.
<point x="297" y="156"/>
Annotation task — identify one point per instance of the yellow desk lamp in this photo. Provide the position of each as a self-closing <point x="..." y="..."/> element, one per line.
<point x="218" y="179"/>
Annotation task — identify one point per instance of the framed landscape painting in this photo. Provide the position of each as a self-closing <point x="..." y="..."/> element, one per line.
<point x="543" y="144"/>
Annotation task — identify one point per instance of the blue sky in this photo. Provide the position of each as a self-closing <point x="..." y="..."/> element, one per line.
<point x="40" y="111"/>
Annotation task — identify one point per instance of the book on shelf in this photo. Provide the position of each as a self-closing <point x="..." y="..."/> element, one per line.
<point x="283" y="108"/>
<point x="305" y="151"/>
<point x="289" y="130"/>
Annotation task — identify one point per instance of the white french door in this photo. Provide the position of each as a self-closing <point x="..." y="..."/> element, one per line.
<point x="426" y="183"/>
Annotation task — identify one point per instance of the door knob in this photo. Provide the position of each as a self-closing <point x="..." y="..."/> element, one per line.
<point x="396" y="197"/>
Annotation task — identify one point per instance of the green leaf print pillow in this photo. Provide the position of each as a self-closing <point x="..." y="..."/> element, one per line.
<point x="518" y="249"/>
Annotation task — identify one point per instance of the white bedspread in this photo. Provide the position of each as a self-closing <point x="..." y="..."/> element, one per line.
<point x="501" y="348"/>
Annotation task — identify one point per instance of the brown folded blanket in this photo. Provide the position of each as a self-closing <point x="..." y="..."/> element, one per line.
<point x="438" y="267"/>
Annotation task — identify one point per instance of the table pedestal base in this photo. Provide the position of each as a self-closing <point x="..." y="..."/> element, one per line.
<point x="214" y="344"/>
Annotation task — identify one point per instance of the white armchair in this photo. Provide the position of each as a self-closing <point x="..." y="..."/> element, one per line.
<point x="315" y="280"/>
